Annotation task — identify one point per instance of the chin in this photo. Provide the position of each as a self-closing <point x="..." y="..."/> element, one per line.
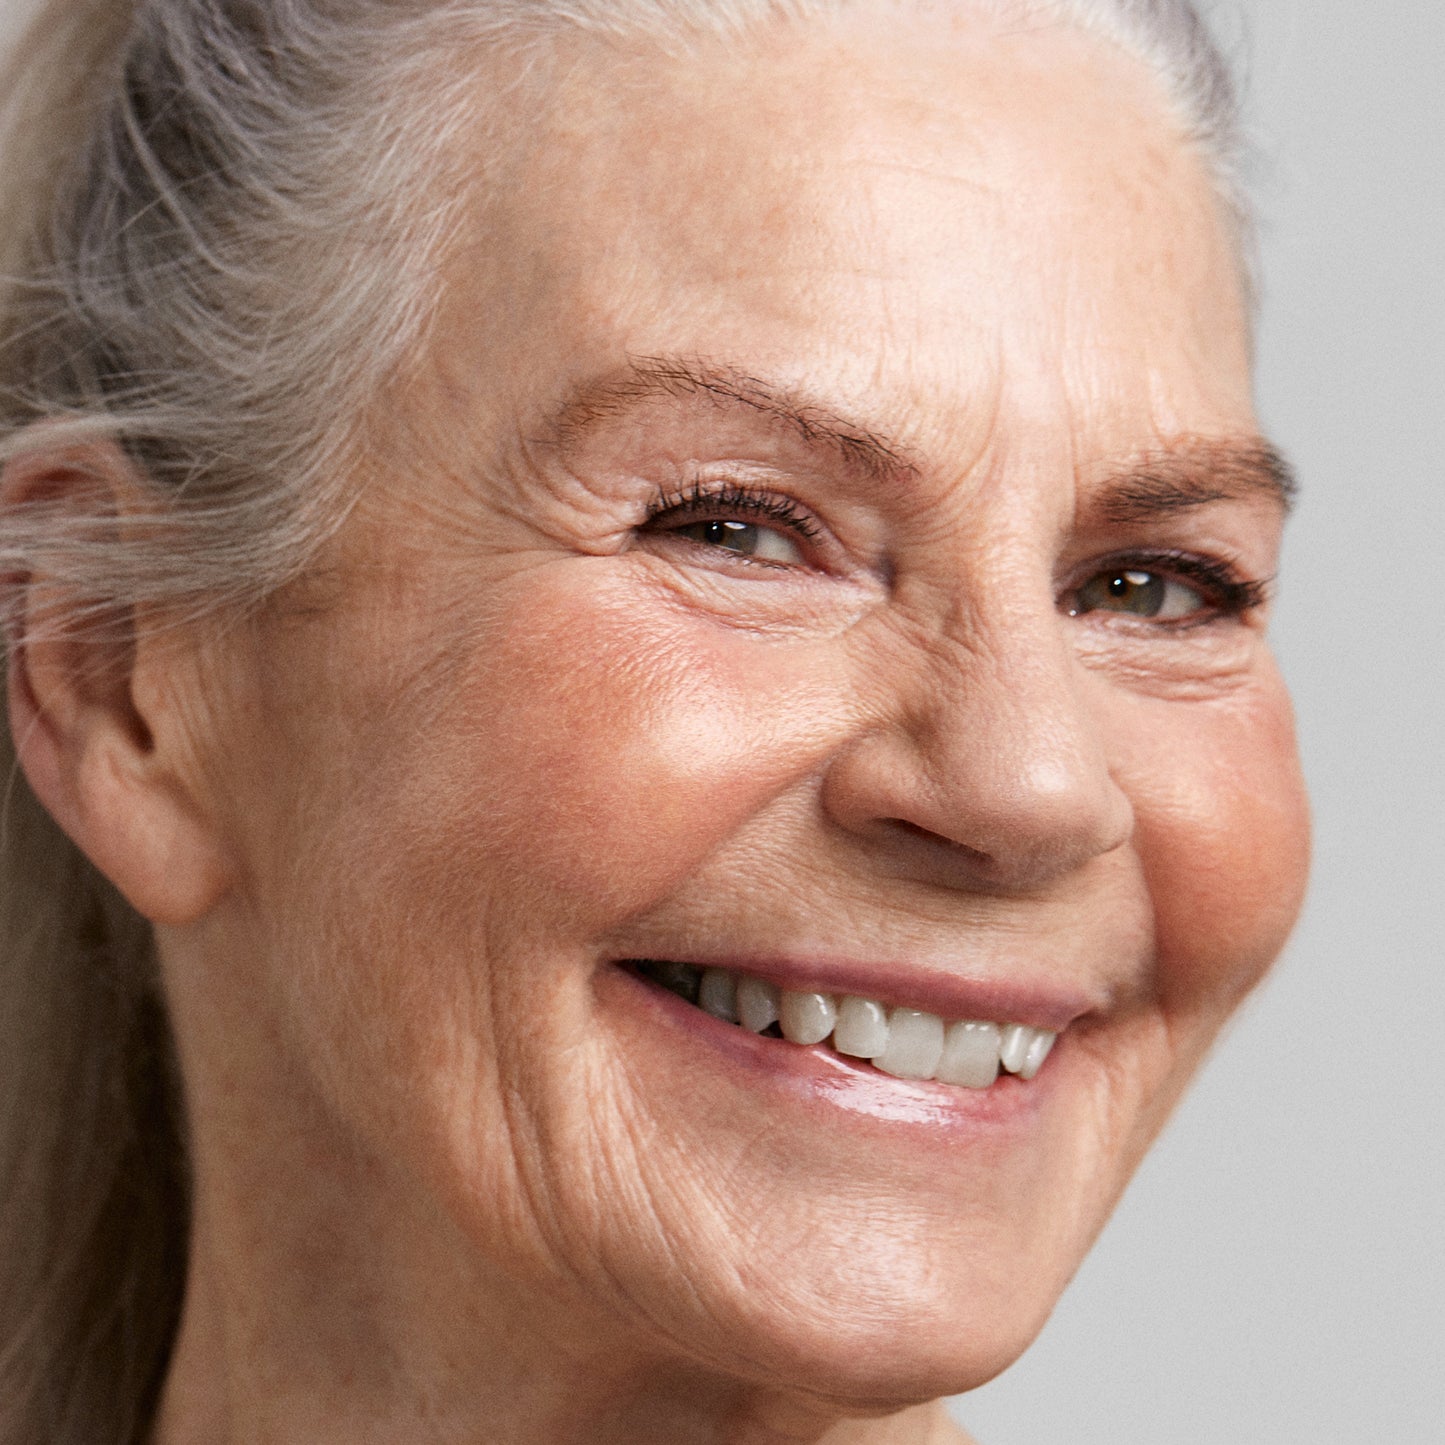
<point x="765" y="1212"/>
<point x="904" y="1353"/>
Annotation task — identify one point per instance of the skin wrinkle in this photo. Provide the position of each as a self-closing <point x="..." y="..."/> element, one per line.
<point x="454" y="1164"/>
<point x="647" y="378"/>
<point x="681" y="1254"/>
<point x="1181" y="474"/>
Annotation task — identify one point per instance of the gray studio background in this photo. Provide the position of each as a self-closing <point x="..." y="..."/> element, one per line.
<point x="1275" y="1275"/>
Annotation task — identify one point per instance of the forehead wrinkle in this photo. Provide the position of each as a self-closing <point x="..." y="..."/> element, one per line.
<point x="649" y="378"/>
<point x="1193" y="473"/>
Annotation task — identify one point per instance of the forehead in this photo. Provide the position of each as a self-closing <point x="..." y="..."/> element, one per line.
<point x="957" y="220"/>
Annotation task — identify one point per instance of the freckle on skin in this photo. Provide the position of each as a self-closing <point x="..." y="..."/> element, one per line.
<point x="514" y="757"/>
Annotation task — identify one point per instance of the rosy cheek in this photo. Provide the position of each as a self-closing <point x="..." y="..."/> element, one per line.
<point x="1223" y="836"/>
<point x="601" y="749"/>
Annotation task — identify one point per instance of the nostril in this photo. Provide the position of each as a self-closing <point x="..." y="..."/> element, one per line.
<point x="1020" y="843"/>
<point x="926" y="836"/>
<point x="991" y="789"/>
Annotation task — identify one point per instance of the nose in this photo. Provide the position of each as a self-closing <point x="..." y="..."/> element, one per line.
<point x="985" y="765"/>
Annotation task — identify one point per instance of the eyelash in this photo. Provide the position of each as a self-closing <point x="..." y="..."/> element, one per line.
<point x="733" y="499"/>
<point x="1224" y="590"/>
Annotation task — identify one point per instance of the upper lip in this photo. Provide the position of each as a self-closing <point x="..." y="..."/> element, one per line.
<point x="949" y="991"/>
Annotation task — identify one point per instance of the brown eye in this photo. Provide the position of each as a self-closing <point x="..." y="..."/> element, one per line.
<point x="747" y="539"/>
<point x="1139" y="594"/>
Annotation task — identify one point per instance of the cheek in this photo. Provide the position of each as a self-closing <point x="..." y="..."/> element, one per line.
<point x="1223" y="835"/>
<point x="590" y="752"/>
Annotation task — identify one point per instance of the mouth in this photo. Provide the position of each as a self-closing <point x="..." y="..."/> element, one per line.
<point x="902" y="1042"/>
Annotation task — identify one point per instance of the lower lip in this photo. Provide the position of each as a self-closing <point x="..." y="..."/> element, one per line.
<point x="819" y="1078"/>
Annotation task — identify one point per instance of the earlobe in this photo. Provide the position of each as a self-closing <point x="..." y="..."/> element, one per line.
<point x="110" y="775"/>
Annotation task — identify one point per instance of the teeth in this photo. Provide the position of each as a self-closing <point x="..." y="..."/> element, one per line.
<point x="862" y="1029"/>
<point x="807" y="1018"/>
<point x="904" y="1042"/>
<point x="1013" y="1048"/>
<point x="717" y="995"/>
<point x="1038" y="1051"/>
<point x="970" y="1055"/>
<point x="915" y="1045"/>
<point x="757" y="1004"/>
<point x="1022" y="1050"/>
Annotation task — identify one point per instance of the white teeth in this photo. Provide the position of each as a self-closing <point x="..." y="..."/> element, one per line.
<point x="862" y="1028"/>
<point x="1014" y="1046"/>
<point x="904" y="1042"/>
<point x="757" y="1004"/>
<point x="970" y="1055"/>
<point x="717" y="995"/>
<point x="1043" y="1041"/>
<point x="915" y="1044"/>
<point x="806" y="1018"/>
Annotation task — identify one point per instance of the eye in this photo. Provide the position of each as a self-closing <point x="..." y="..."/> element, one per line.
<point x="747" y="539"/>
<point x="1140" y="593"/>
<point x="746" y="523"/>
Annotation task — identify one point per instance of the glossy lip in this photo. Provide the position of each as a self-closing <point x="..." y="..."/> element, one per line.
<point x="948" y="995"/>
<point x="819" y="1078"/>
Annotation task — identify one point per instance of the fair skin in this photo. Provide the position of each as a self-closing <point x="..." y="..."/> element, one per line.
<point x="951" y="317"/>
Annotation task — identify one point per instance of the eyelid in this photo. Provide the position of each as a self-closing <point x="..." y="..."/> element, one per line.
<point x="729" y="498"/>
<point x="731" y="494"/>
<point x="1226" y="591"/>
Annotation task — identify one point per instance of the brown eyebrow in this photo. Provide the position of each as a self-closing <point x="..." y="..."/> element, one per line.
<point x="648" y="377"/>
<point x="1194" y="473"/>
<point x="1186" y="474"/>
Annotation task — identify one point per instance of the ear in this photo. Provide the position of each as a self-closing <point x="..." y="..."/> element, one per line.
<point x="99" y="712"/>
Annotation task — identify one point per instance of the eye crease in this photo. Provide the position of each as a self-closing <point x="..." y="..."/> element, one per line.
<point x="1172" y="587"/>
<point x="1168" y="588"/>
<point x="751" y="524"/>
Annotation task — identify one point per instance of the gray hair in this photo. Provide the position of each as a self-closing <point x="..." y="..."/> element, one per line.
<point x="223" y="242"/>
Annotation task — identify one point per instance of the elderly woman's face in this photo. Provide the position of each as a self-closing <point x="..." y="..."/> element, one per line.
<point x="822" y="546"/>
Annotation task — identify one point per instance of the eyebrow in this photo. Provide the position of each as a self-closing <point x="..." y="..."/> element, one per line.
<point x="1193" y="473"/>
<point x="649" y="378"/>
<point x="1186" y="474"/>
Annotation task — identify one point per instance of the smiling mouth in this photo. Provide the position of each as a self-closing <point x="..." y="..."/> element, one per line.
<point x="905" y="1043"/>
